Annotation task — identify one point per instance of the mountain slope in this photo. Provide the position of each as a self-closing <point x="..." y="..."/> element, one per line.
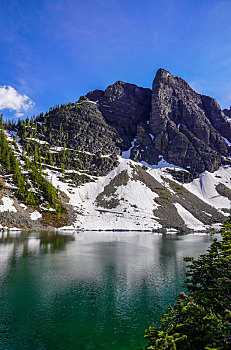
<point x="138" y="198"/>
<point x="123" y="158"/>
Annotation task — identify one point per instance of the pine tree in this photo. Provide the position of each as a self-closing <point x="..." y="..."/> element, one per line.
<point x="36" y="154"/>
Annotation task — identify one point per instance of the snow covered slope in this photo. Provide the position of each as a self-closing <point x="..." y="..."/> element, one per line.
<point x="136" y="197"/>
<point x="132" y="196"/>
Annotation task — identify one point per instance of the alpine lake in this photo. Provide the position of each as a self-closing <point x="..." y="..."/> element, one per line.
<point x="89" y="290"/>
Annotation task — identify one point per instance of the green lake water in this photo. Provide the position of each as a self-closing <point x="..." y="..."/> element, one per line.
<point x="88" y="290"/>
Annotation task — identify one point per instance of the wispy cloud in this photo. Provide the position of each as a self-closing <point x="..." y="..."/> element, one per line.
<point x="19" y="114"/>
<point x="11" y="99"/>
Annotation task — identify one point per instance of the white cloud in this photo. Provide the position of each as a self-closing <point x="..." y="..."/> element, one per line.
<point x="13" y="100"/>
<point x="19" y="114"/>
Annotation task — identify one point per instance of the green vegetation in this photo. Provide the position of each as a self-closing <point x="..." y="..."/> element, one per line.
<point x="200" y="318"/>
<point x="11" y="165"/>
<point x="34" y="189"/>
<point x="39" y="136"/>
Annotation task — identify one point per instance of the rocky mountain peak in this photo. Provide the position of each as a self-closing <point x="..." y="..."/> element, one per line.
<point x="172" y="120"/>
<point x="95" y="95"/>
<point x="164" y="77"/>
<point x="187" y="127"/>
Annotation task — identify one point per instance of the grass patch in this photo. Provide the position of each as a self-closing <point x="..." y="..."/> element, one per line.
<point x="55" y="220"/>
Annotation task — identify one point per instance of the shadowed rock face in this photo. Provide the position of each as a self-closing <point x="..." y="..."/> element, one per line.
<point x="124" y="106"/>
<point x="172" y="120"/>
<point x="227" y="112"/>
<point x="187" y="127"/>
<point x="216" y="116"/>
<point x="86" y="127"/>
<point x="95" y="95"/>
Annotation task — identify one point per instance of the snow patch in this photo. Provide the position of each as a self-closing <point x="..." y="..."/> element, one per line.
<point x="189" y="220"/>
<point x="204" y="187"/>
<point x="22" y="205"/>
<point x="134" y="201"/>
<point x="227" y="141"/>
<point x="8" y="205"/>
<point x="127" y="154"/>
<point x="35" y="215"/>
<point x="161" y="164"/>
<point x="38" y="141"/>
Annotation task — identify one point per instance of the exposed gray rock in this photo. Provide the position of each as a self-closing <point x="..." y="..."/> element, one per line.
<point x="224" y="190"/>
<point x="86" y="128"/>
<point x="187" y="127"/>
<point x="82" y="128"/>
<point x="95" y="95"/>
<point x="227" y="112"/>
<point x="107" y="199"/>
<point x="124" y="106"/>
<point x="216" y="116"/>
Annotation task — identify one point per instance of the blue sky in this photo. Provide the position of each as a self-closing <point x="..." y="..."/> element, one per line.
<point x="53" y="51"/>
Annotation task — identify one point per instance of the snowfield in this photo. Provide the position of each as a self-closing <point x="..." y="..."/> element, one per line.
<point x="136" y="202"/>
<point x="205" y="187"/>
<point x="189" y="219"/>
<point x="126" y="216"/>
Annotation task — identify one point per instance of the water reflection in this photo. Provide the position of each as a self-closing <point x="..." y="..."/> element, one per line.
<point x="55" y="238"/>
<point x="88" y="290"/>
<point x="49" y="242"/>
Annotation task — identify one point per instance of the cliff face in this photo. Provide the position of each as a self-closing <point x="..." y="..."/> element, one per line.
<point x="124" y="106"/>
<point x="172" y="120"/>
<point x="187" y="127"/>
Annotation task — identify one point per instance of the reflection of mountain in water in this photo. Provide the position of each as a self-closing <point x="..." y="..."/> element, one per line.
<point x="15" y="245"/>
<point x="55" y="240"/>
<point x="113" y="284"/>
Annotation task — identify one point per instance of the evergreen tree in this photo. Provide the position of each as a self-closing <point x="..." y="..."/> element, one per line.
<point x="36" y="154"/>
<point x="200" y="319"/>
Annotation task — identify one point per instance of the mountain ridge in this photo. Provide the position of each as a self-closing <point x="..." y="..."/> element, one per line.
<point x="172" y="135"/>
